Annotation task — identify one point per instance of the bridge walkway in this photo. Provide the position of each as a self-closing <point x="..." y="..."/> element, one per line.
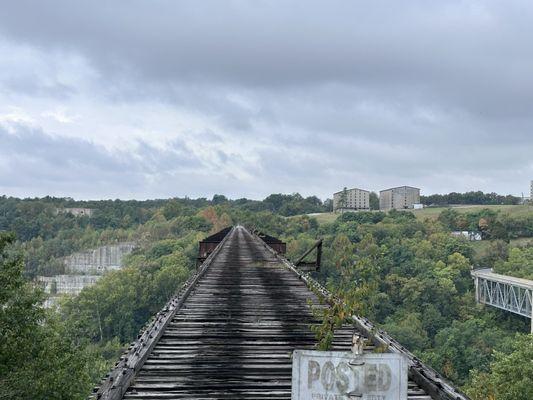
<point x="233" y="336"/>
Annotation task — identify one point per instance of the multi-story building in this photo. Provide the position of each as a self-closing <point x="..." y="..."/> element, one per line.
<point x="400" y="198"/>
<point x="351" y="200"/>
<point x="531" y="192"/>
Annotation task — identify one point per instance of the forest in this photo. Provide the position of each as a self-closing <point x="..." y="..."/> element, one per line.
<point x="409" y="276"/>
<point x="477" y="197"/>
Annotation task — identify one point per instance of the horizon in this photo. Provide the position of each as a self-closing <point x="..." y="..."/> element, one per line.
<point x="209" y="198"/>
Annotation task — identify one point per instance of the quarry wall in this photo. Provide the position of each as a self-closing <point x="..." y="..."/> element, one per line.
<point x="84" y="269"/>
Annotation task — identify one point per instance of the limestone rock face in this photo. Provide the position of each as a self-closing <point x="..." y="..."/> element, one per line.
<point x="66" y="284"/>
<point x="77" y="212"/>
<point x="84" y="269"/>
<point x="98" y="261"/>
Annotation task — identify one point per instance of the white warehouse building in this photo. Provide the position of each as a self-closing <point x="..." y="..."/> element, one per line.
<point x="399" y="198"/>
<point x="351" y="200"/>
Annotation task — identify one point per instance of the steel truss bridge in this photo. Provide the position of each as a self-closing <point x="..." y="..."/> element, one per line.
<point x="505" y="292"/>
<point x="230" y="331"/>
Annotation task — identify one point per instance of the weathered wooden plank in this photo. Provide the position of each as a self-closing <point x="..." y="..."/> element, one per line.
<point x="234" y="335"/>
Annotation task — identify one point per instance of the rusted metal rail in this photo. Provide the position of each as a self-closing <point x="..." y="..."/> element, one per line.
<point x="231" y="331"/>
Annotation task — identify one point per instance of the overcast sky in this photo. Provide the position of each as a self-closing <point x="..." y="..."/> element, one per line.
<point x="152" y="99"/>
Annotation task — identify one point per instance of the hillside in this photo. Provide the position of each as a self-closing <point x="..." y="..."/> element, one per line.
<point x="434" y="212"/>
<point x="402" y="270"/>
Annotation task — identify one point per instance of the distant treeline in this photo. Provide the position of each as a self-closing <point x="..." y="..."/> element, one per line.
<point x="469" y="198"/>
<point x="30" y="218"/>
<point x="284" y="204"/>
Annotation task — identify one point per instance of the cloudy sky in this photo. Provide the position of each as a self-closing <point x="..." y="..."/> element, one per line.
<point x="151" y="99"/>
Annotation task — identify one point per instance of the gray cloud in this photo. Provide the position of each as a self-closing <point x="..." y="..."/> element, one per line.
<point x="39" y="163"/>
<point x="308" y="96"/>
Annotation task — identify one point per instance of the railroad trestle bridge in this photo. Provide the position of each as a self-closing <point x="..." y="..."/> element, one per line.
<point x="229" y="333"/>
<point x="504" y="292"/>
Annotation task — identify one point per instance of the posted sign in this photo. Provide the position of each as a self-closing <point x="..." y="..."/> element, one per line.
<point x="332" y="375"/>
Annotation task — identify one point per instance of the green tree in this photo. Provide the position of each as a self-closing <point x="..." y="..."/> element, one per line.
<point x="343" y="200"/>
<point x="448" y="218"/>
<point x="510" y="376"/>
<point x="38" y="359"/>
<point x="519" y="263"/>
<point x="464" y="346"/>
<point x="408" y="330"/>
<point x="374" y="201"/>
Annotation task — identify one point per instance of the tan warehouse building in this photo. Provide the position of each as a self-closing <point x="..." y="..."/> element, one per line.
<point x="351" y="200"/>
<point x="400" y="198"/>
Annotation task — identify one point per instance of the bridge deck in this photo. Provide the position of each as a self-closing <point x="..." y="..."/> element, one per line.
<point x="486" y="273"/>
<point x="231" y="334"/>
<point x="234" y="336"/>
<point x="504" y="292"/>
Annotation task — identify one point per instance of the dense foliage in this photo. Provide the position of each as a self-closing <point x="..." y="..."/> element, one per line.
<point x="411" y="277"/>
<point x="38" y="356"/>
<point x="491" y="224"/>
<point x="511" y="374"/>
<point x="519" y="263"/>
<point x="469" y="198"/>
<point x="46" y="235"/>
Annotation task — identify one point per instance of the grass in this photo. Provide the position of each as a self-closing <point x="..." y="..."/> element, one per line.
<point x="325" y="218"/>
<point x="433" y="212"/>
<point x="522" y="242"/>
<point x="481" y="247"/>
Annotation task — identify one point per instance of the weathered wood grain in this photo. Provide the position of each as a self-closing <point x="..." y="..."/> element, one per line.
<point x="231" y="335"/>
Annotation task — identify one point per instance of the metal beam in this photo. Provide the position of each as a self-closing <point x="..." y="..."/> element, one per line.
<point x="318" y="246"/>
<point x="507" y="293"/>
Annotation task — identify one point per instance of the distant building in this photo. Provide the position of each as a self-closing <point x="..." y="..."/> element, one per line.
<point x="473" y="236"/>
<point x="77" y="212"/>
<point x="399" y="198"/>
<point x="351" y="200"/>
<point x="531" y="192"/>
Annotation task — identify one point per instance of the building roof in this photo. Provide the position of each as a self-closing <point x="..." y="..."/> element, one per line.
<point x="399" y="187"/>
<point x="362" y="190"/>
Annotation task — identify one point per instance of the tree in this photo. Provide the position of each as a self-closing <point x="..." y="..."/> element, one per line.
<point x="510" y="374"/>
<point x="374" y="201"/>
<point x="448" y="218"/>
<point x="408" y="330"/>
<point x="328" y="205"/>
<point x="219" y="199"/>
<point x="343" y="200"/>
<point x="519" y="263"/>
<point x="38" y="359"/>
<point x="464" y="346"/>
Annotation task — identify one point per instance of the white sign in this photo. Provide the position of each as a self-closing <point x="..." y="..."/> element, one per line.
<point x="332" y="375"/>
